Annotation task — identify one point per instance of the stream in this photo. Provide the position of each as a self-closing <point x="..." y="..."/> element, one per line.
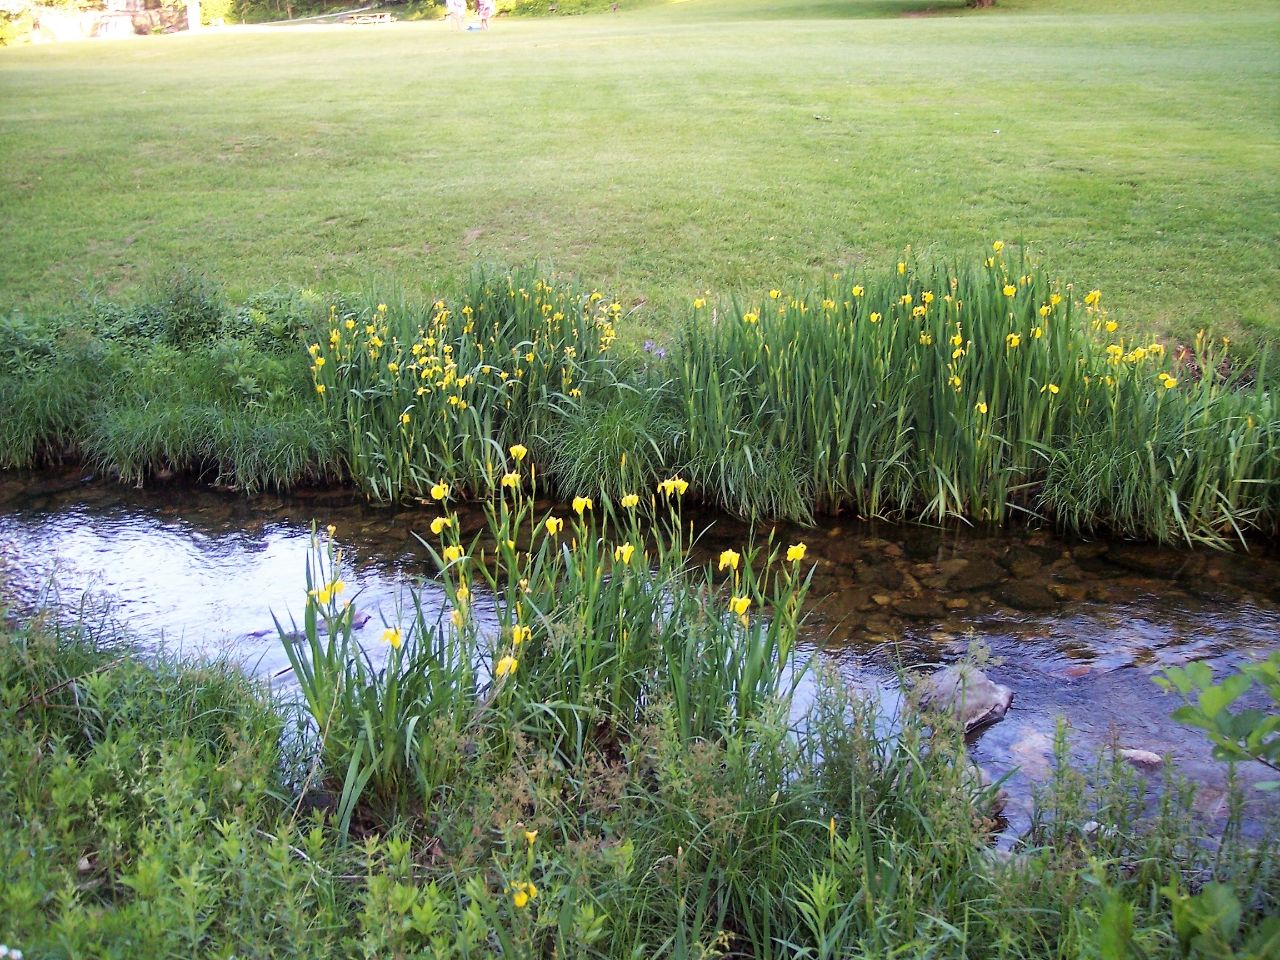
<point x="1077" y="629"/>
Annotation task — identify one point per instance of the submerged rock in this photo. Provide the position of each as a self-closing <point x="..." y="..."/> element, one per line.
<point x="921" y="543"/>
<point x="878" y="574"/>
<point x="1068" y="591"/>
<point x="56" y="483"/>
<point x="977" y="575"/>
<point x="968" y="694"/>
<point x="942" y="572"/>
<point x="1021" y="561"/>
<point x="1026" y="595"/>
<point x="1154" y="561"/>
<point x="1142" y="759"/>
<point x="919" y="608"/>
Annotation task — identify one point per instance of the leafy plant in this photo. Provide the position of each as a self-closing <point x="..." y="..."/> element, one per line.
<point x="1249" y="734"/>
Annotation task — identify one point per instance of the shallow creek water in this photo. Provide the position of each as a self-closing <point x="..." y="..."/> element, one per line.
<point x="1077" y="629"/>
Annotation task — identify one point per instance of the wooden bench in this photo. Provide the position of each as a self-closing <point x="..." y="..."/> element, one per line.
<point x="380" y="16"/>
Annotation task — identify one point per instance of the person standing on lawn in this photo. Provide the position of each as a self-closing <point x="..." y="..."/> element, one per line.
<point x="484" y="8"/>
<point x="456" y="11"/>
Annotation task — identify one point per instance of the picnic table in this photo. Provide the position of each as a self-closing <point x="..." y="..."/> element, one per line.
<point x="371" y="16"/>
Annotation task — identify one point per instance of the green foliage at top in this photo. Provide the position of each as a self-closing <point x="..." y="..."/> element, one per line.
<point x="187" y="310"/>
<point x="562" y="8"/>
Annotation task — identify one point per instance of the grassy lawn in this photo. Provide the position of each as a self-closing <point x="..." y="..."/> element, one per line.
<point x="704" y="144"/>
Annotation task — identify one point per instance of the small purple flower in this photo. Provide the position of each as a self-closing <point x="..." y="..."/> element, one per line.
<point x="648" y="346"/>
<point x="660" y="353"/>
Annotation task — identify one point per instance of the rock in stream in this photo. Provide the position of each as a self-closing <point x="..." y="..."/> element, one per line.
<point x="968" y="694"/>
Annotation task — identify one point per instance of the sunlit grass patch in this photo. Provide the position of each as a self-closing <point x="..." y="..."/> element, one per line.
<point x="723" y="144"/>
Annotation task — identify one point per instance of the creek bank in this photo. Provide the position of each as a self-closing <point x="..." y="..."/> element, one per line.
<point x="273" y="886"/>
<point x="763" y="409"/>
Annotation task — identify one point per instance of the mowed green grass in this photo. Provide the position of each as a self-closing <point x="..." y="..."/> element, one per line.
<point x="698" y="145"/>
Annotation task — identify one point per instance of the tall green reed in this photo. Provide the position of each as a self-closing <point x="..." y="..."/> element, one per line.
<point x="598" y="618"/>
<point x="391" y="722"/>
<point x="437" y="392"/>
<point x="979" y="393"/>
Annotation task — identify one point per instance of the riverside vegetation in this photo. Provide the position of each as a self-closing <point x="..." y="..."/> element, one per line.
<point x="615" y="759"/>
<point x="619" y="767"/>
<point x="986" y="392"/>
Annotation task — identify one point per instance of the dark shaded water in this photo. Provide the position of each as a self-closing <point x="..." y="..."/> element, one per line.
<point x="1076" y="629"/>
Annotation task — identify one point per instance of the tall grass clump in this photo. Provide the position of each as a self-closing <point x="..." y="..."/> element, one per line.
<point x="592" y="631"/>
<point x="625" y="435"/>
<point x="47" y="389"/>
<point x="231" y="414"/>
<point x="425" y="393"/>
<point x="980" y="393"/>
<point x="177" y="384"/>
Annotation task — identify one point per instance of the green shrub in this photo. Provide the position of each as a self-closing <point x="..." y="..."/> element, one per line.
<point x="217" y="11"/>
<point x="591" y="633"/>
<point x="15" y="26"/>
<point x="184" y="309"/>
<point x="276" y="319"/>
<point x="24" y="344"/>
<point x="539" y="8"/>
<point x="50" y="399"/>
